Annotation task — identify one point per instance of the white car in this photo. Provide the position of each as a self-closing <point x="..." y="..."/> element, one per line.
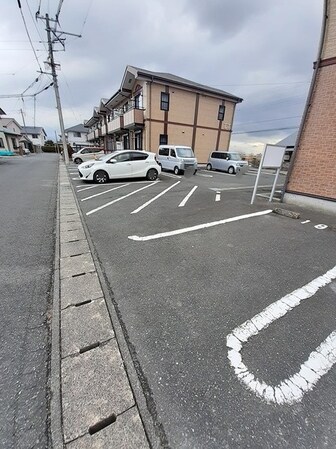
<point x="120" y="165"/>
<point x="87" y="154"/>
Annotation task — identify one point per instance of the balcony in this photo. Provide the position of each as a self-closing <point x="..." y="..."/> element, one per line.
<point x="103" y="130"/>
<point x="115" y="125"/>
<point x="133" y="118"/>
<point x="96" y="133"/>
<point x="91" y="136"/>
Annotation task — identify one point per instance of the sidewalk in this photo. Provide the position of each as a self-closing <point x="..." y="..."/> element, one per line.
<point x="92" y="404"/>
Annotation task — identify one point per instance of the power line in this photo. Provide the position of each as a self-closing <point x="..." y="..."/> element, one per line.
<point x="37" y="29"/>
<point x="270" y="120"/>
<point x="31" y="43"/>
<point x="265" y="130"/>
<point x="262" y="84"/>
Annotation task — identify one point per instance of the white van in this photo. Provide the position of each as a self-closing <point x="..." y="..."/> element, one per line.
<point x="176" y="158"/>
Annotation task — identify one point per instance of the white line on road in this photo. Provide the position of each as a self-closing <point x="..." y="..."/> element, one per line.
<point x="197" y="227"/>
<point x="218" y="196"/>
<point x="183" y="202"/>
<point x="171" y="175"/>
<point x="105" y="191"/>
<point x="155" y="198"/>
<point x="319" y="362"/>
<point x="85" y="188"/>
<point x="119" y="199"/>
<point x="267" y="196"/>
<point x="305" y="222"/>
<point x="76" y="179"/>
<point x="219" y="189"/>
<point x="205" y="176"/>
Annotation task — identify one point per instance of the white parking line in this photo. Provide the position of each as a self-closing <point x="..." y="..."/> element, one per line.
<point x="183" y="202"/>
<point x="205" y="176"/>
<point x="197" y="227"/>
<point x="105" y="191"/>
<point x="218" y="196"/>
<point x="76" y="179"/>
<point x="171" y="175"/>
<point x="267" y="196"/>
<point x="319" y="362"/>
<point x="119" y="199"/>
<point x="220" y="189"/>
<point x="155" y="198"/>
<point x="85" y="188"/>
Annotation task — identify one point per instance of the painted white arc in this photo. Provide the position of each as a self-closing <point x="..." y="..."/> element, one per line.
<point x="320" y="361"/>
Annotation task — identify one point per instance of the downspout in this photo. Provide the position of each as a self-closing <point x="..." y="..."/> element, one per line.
<point x="309" y="97"/>
<point x="149" y="143"/>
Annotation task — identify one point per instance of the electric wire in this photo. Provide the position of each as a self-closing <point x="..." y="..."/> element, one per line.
<point x="31" y="43"/>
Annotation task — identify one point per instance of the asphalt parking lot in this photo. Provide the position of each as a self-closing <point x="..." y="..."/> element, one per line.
<point x="191" y="265"/>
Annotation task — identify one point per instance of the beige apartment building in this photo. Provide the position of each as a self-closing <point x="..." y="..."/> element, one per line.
<point x="153" y="108"/>
<point x="312" y="175"/>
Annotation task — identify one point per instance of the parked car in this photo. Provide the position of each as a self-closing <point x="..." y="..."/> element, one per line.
<point x="86" y="154"/>
<point x="226" y="161"/>
<point x="120" y="165"/>
<point x="176" y="158"/>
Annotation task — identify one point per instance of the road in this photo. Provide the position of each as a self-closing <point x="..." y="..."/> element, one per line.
<point x="184" y="277"/>
<point x="28" y="187"/>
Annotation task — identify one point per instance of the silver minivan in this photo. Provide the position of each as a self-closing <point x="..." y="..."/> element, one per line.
<point x="176" y="158"/>
<point x="226" y="161"/>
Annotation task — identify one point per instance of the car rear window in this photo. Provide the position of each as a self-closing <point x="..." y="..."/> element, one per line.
<point x="139" y="156"/>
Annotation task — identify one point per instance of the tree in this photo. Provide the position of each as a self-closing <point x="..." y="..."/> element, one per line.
<point x="49" y="142"/>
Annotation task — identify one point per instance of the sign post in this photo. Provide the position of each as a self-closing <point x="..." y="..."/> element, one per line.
<point x="272" y="158"/>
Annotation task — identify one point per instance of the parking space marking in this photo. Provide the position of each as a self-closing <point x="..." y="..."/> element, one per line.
<point x="170" y="175"/>
<point x="105" y="191"/>
<point x="198" y="227"/>
<point x="119" y="199"/>
<point x="219" y="173"/>
<point x="218" y="196"/>
<point x="155" y="198"/>
<point x="319" y="362"/>
<point x="205" y="176"/>
<point x="223" y="189"/>
<point x="85" y="188"/>
<point x="184" y="201"/>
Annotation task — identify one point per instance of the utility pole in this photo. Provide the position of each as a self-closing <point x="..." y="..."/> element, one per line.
<point x="58" y="100"/>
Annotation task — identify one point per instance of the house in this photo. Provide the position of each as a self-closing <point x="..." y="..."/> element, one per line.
<point x="36" y="135"/>
<point x="311" y="178"/>
<point x="77" y="136"/>
<point x="10" y="134"/>
<point x="153" y="108"/>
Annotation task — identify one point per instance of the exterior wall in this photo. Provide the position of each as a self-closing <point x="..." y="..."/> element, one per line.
<point x="205" y="143"/>
<point x="314" y="167"/>
<point x="11" y="126"/>
<point x="73" y="140"/>
<point x="37" y="142"/>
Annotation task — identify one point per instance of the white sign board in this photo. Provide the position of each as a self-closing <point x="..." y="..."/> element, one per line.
<point x="273" y="156"/>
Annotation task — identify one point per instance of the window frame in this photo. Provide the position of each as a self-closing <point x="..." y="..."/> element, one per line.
<point x="221" y="112"/>
<point x="164" y="103"/>
<point x="163" y="139"/>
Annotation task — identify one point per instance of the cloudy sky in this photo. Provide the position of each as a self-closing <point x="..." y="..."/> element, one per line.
<point x="260" y="50"/>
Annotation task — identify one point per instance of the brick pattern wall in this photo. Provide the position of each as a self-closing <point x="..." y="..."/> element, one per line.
<point x="314" y="169"/>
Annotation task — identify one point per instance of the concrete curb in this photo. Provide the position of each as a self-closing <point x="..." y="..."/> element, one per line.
<point x="92" y="402"/>
<point x="286" y="213"/>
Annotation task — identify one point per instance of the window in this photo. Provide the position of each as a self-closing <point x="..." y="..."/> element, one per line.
<point x="164" y="151"/>
<point x="85" y="151"/>
<point x="164" y="101"/>
<point x="221" y="112"/>
<point x="172" y="153"/>
<point x="76" y="134"/>
<point x="35" y="136"/>
<point x="139" y="156"/>
<point x="215" y="155"/>
<point x="123" y="157"/>
<point x="163" y="139"/>
<point x="1" y="143"/>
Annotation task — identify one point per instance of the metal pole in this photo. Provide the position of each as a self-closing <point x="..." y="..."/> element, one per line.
<point x="58" y="100"/>
<point x="274" y="184"/>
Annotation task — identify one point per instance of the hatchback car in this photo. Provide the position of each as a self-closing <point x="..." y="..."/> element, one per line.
<point x="226" y="161"/>
<point x="86" y="154"/>
<point x="120" y="165"/>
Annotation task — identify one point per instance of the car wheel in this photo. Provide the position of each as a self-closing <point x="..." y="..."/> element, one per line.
<point x="231" y="170"/>
<point x="100" y="177"/>
<point x="209" y="167"/>
<point x="152" y="174"/>
<point x="78" y="160"/>
<point x="176" y="171"/>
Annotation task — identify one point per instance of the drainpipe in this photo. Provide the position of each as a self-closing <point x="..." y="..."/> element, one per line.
<point x="310" y="95"/>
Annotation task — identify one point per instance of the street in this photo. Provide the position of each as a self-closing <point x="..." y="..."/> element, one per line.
<point x="27" y="221"/>
<point x="188" y="261"/>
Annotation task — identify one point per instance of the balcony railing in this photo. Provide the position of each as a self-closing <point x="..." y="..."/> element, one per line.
<point x="133" y="117"/>
<point x="116" y="124"/>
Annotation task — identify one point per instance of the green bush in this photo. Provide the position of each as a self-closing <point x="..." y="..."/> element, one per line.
<point x="49" y="149"/>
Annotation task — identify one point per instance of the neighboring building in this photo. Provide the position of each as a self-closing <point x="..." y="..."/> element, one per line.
<point x="10" y="134"/>
<point x="153" y="108"/>
<point x="36" y="135"/>
<point x="289" y="143"/>
<point x="312" y="176"/>
<point x="77" y="136"/>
